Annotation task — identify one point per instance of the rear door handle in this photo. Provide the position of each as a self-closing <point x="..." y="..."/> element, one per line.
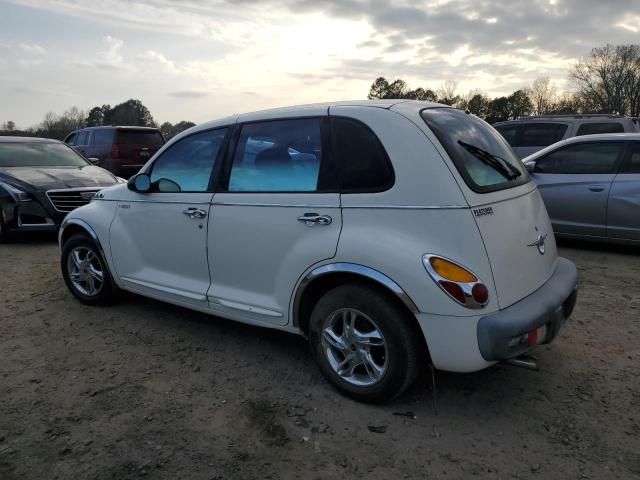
<point x="311" y="219"/>
<point x="194" y="213"/>
<point x="596" y="188"/>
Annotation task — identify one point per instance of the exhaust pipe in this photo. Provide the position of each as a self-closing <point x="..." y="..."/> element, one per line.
<point x="523" y="361"/>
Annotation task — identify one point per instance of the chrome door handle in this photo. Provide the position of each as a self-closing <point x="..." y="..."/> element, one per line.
<point x="311" y="219"/>
<point x="194" y="213"/>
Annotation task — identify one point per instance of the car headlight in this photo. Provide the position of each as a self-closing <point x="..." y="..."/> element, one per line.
<point x="17" y="194"/>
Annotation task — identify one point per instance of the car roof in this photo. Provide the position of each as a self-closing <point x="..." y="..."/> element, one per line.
<point x="309" y="110"/>
<point x="598" y="137"/>
<point x="578" y="118"/>
<point x="27" y="140"/>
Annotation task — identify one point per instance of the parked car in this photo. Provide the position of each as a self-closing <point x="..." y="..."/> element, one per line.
<point x="390" y="233"/>
<point x="531" y="134"/>
<point x="121" y="150"/>
<point x="591" y="186"/>
<point x="41" y="180"/>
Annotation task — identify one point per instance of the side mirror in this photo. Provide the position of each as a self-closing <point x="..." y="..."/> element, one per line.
<point x="140" y="183"/>
<point x="530" y="166"/>
<point x="94" y="160"/>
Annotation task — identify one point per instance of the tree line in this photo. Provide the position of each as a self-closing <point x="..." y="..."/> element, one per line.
<point x="607" y="80"/>
<point x="130" y="113"/>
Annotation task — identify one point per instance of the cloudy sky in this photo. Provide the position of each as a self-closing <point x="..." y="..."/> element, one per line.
<point x="201" y="59"/>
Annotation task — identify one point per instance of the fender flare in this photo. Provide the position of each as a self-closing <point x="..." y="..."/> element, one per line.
<point x="353" y="268"/>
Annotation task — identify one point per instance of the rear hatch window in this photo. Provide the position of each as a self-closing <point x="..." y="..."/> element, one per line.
<point x="140" y="137"/>
<point x="484" y="159"/>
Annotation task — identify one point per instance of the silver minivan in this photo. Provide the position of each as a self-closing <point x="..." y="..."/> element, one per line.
<point x="531" y="134"/>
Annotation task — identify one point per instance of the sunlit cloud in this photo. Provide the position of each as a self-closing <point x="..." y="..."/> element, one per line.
<point x="233" y="56"/>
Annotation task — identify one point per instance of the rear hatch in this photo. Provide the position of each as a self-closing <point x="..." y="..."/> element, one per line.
<point x="137" y="145"/>
<point x="505" y="203"/>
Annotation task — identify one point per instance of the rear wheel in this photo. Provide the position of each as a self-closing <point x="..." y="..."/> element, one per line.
<point x="363" y="343"/>
<point x="85" y="271"/>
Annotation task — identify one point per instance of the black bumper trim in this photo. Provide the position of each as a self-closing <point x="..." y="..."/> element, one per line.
<point x="551" y="305"/>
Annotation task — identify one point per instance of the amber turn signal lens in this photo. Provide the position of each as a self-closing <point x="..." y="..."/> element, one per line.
<point x="451" y="271"/>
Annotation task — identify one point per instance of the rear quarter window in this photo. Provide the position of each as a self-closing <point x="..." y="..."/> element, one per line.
<point x="604" y="127"/>
<point x="540" y="134"/>
<point x="363" y="163"/>
<point x="102" y="137"/>
<point x="484" y="159"/>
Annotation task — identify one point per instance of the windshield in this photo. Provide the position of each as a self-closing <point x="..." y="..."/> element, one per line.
<point x="481" y="155"/>
<point x="39" y="155"/>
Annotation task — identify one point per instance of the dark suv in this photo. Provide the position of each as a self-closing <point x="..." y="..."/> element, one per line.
<point x="121" y="150"/>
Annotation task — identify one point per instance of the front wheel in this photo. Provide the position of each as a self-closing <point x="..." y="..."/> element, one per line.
<point x="85" y="271"/>
<point x="364" y="343"/>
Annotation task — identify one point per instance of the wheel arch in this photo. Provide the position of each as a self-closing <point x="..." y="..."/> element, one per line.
<point x="325" y="277"/>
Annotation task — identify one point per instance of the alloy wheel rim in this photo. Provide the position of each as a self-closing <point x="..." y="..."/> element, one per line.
<point x="354" y="347"/>
<point x="85" y="271"/>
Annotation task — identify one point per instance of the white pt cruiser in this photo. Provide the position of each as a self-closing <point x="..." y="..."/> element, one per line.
<point x="393" y="234"/>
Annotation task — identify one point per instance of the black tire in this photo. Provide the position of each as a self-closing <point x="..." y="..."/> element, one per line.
<point x="107" y="290"/>
<point x="5" y="235"/>
<point x="402" y="348"/>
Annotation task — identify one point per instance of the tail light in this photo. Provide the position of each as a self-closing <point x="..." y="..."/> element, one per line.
<point x="458" y="282"/>
<point x="115" y="151"/>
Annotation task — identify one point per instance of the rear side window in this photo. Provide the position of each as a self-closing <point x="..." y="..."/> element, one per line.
<point x="82" y="138"/>
<point x="140" y="137"/>
<point x="71" y="139"/>
<point x="481" y="155"/>
<point x="186" y="165"/>
<point x="362" y="161"/>
<point x="605" y="127"/>
<point x="508" y="132"/>
<point x="634" y="160"/>
<point x="102" y="136"/>
<point x="583" y="158"/>
<point x="279" y="156"/>
<point x="540" y="134"/>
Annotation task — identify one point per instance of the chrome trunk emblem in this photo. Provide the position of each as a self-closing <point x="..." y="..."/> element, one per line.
<point x="539" y="243"/>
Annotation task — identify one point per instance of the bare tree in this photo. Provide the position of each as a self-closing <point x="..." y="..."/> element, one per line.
<point x="608" y="79"/>
<point x="447" y="92"/>
<point x="542" y="94"/>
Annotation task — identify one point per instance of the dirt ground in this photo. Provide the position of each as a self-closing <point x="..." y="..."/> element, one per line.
<point x="142" y="388"/>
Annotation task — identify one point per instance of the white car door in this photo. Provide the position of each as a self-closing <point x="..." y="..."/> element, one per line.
<point x="158" y="240"/>
<point x="278" y="214"/>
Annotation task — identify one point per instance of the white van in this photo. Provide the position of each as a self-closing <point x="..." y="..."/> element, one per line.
<point x="531" y="134"/>
<point x="390" y="233"/>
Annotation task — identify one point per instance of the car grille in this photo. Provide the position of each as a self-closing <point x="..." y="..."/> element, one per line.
<point x="68" y="200"/>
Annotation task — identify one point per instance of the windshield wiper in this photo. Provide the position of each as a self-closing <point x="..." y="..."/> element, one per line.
<point x="497" y="163"/>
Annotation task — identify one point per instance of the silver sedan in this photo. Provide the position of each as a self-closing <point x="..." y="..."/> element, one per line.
<point x="591" y="186"/>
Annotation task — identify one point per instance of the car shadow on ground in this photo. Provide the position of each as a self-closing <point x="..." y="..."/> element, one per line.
<point x="495" y="385"/>
<point x="598" y="246"/>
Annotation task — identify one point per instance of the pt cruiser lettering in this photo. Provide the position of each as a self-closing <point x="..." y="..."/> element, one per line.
<point x="392" y="234"/>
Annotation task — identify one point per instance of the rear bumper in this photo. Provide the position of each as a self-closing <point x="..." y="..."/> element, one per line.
<point x="551" y="305"/>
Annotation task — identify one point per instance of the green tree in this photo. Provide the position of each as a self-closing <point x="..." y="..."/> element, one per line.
<point x="96" y="116"/>
<point x="381" y="89"/>
<point x="130" y="113"/>
<point x="476" y="103"/>
<point x="168" y="130"/>
<point x="519" y="104"/>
